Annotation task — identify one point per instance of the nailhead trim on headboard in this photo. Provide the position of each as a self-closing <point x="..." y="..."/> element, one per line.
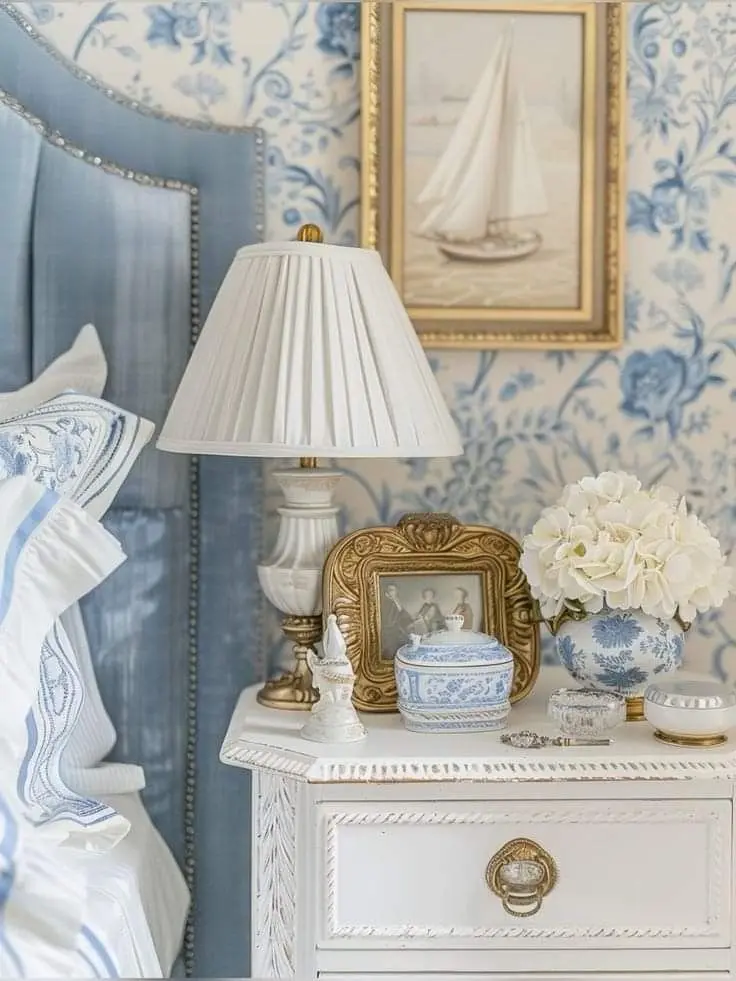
<point x="190" y="791"/>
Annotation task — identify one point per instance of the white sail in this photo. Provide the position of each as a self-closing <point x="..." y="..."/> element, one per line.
<point x="462" y="182"/>
<point x="518" y="190"/>
<point x="489" y="171"/>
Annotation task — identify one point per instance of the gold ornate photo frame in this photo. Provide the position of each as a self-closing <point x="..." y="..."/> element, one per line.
<point x="546" y="268"/>
<point x="470" y="569"/>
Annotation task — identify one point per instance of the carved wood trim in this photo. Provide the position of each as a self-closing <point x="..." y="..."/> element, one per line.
<point x="239" y="752"/>
<point x="274" y="898"/>
<point x="719" y="859"/>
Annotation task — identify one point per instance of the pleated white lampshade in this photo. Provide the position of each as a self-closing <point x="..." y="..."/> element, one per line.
<point x="308" y="351"/>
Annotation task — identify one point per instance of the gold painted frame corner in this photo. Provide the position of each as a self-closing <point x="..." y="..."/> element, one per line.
<point x="421" y="544"/>
<point x="459" y="331"/>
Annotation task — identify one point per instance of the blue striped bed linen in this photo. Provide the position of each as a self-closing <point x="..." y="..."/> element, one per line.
<point x="43" y="932"/>
<point x="49" y="724"/>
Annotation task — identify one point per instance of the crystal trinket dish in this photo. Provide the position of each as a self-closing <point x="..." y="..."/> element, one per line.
<point x="586" y="711"/>
<point x="454" y="680"/>
<point x="688" y="712"/>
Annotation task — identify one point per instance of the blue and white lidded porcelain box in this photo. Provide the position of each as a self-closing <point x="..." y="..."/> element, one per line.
<point x="454" y="680"/>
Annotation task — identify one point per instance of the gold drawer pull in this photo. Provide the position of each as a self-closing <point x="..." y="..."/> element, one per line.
<point x="521" y="874"/>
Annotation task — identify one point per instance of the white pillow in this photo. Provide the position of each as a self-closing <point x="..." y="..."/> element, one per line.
<point x="84" y="448"/>
<point x="93" y="736"/>
<point x="41" y="787"/>
<point x="82" y="368"/>
<point x="51" y="554"/>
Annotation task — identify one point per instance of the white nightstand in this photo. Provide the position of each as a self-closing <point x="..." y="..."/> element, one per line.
<point x="371" y="860"/>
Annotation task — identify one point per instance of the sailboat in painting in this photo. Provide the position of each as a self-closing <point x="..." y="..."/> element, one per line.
<point x="488" y="176"/>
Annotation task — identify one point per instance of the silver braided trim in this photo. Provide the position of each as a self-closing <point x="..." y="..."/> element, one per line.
<point x="56" y="139"/>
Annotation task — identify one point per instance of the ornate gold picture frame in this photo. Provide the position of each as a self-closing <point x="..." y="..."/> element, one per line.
<point x="427" y="566"/>
<point x="493" y="167"/>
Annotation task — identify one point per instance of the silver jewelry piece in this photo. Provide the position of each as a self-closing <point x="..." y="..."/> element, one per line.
<point x="531" y="740"/>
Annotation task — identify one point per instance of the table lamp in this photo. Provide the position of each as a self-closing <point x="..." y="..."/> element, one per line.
<point x="307" y="352"/>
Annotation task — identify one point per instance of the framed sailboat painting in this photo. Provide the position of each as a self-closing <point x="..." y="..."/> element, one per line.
<point x="492" y="167"/>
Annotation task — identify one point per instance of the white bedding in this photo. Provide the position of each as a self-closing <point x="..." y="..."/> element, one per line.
<point x="137" y="896"/>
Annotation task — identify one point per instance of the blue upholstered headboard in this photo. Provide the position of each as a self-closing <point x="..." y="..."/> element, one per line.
<point x="115" y="215"/>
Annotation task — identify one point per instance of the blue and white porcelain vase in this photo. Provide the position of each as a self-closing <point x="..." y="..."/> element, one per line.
<point x="454" y="680"/>
<point x="621" y="651"/>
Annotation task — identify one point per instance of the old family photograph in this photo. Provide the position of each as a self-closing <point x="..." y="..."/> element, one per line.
<point x="419" y="604"/>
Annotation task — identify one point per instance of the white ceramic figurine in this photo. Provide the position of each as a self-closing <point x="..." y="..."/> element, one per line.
<point x="333" y="718"/>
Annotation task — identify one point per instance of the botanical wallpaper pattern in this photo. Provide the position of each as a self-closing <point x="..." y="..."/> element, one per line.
<point x="662" y="406"/>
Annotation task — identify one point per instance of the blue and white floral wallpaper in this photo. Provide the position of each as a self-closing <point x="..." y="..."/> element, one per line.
<point x="663" y="406"/>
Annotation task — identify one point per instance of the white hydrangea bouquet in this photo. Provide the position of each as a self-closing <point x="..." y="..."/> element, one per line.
<point x="619" y="573"/>
<point x="609" y="544"/>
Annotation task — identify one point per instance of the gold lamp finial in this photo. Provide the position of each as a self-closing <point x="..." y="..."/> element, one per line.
<point x="309" y="233"/>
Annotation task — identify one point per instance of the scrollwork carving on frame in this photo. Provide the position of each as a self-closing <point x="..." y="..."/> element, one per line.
<point x="423" y="544"/>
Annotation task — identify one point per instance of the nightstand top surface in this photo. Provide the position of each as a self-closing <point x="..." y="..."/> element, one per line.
<point x="268" y="739"/>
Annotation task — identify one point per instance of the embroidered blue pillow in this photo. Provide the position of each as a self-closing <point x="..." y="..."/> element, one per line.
<point x="81" y="369"/>
<point x="49" y="724"/>
<point x="83" y="448"/>
<point x="51" y="553"/>
<point x="79" y="446"/>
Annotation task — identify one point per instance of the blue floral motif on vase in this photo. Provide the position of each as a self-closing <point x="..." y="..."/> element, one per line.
<point x="621" y="651"/>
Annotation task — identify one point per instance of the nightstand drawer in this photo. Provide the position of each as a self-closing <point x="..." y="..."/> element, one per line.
<point x="623" y="874"/>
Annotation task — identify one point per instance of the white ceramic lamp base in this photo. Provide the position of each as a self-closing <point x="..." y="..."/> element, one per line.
<point x="291" y="577"/>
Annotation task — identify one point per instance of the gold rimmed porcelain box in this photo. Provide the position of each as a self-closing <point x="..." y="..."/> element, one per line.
<point x="690" y="712"/>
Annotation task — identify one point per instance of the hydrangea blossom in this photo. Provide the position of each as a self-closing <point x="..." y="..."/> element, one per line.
<point x="608" y="543"/>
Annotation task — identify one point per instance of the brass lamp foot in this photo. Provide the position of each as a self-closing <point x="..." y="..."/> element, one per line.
<point x="294" y="690"/>
<point x="635" y="709"/>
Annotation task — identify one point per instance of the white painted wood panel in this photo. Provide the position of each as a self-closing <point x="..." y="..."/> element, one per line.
<point x="527" y="965"/>
<point x="633" y="874"/>
<point x="599" y="976"/>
